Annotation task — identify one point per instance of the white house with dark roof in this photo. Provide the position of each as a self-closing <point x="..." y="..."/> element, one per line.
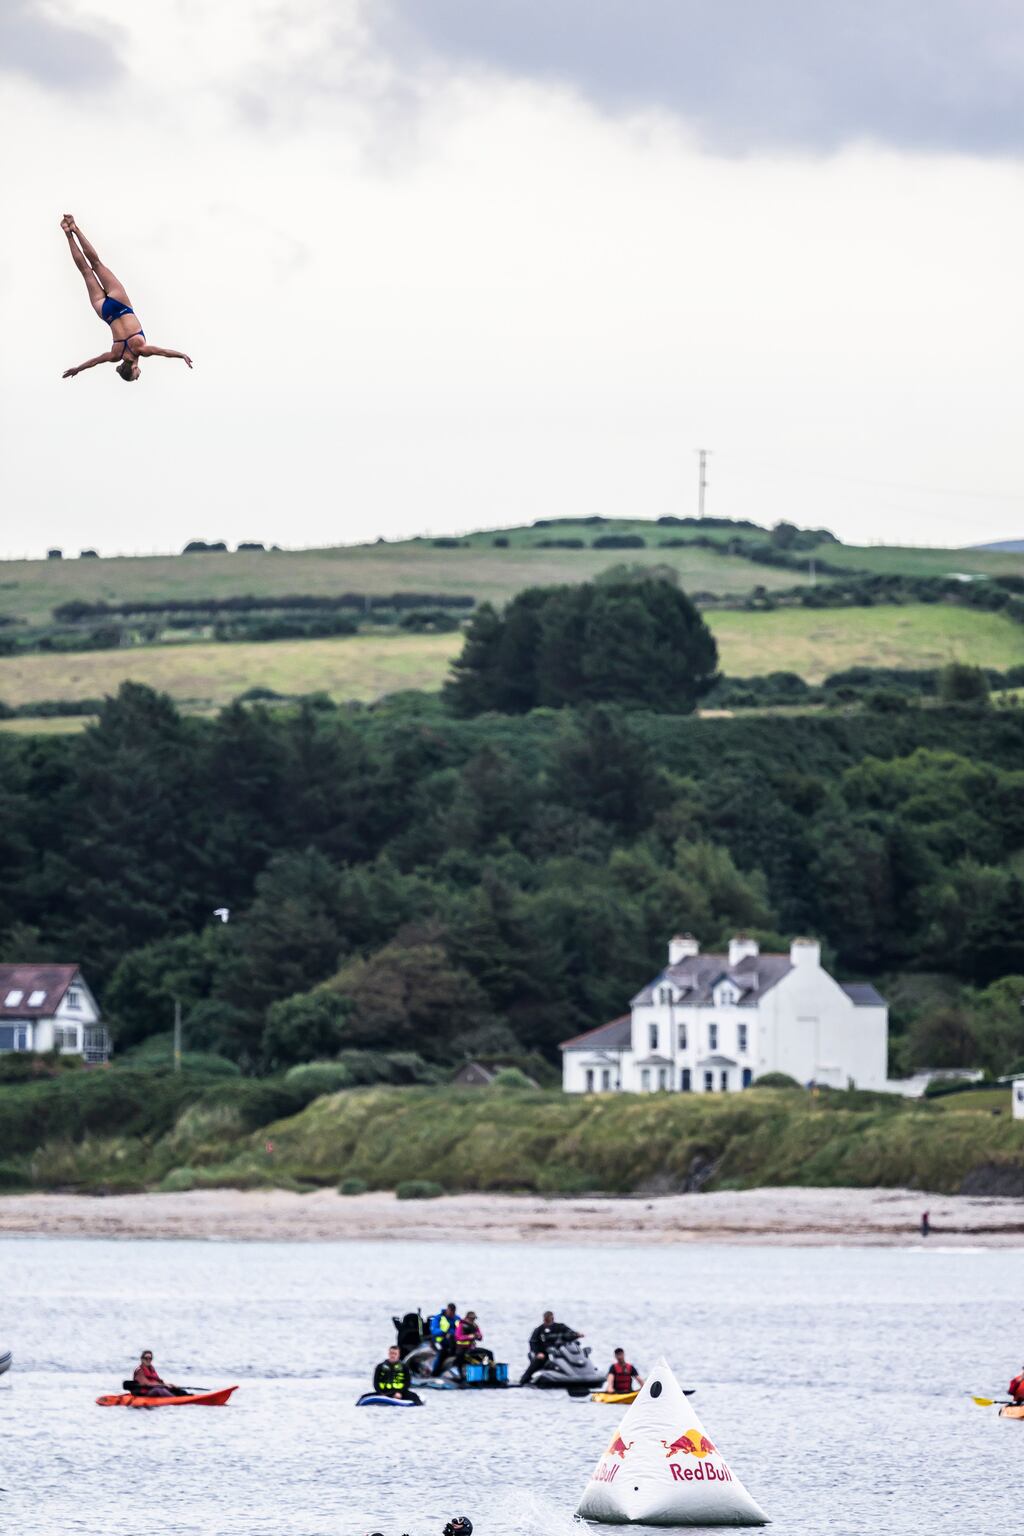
<point x="715" y="1023"/>
<point x="50" y="1007"/>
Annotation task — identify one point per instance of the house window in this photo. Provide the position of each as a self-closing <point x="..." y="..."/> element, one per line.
<point x="682" y="1037"/>
<point x="664" y="994"/>
<point x="13" y="998"/>
<point x="748" y="1077"/>
<point x="741" y="1037"/>
<point x="606" y="1080"/>
<point x="712" y="1037"/>
<point x="6" y="1037"/>
<point x="652" y="1036"/>
<point x="36" y="999"/>
<point x="590" y="1079"/>
<point x="65" y="1039"/>
<point x="662" y="1077"/>
<point x="725" y="1082"/>
<point x="684" y="1080"/>
<point x="645" y="1079"/>
<point x="74" y="998"/>
<point x="709" y="1082"/>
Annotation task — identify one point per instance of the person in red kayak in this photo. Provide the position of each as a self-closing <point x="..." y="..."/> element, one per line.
<point x="1016" y="1387"/>
<point x="621" y="1374"/>
<point x="149" y="1383"/>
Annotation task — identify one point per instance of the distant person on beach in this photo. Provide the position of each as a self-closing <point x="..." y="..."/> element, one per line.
<point x="110" y="301"/>
<point x="149" y="1382"/>
<point x="621" y="1374"/>
<point x="926" y="1224"/>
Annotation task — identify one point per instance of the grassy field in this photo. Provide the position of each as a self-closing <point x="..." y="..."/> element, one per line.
<point x="204" y="676"/>
<point x="817" y="642"/>
<point x="185" y="1131"/>
<point x="812" y="642"/>
<point x="31" y="589"/>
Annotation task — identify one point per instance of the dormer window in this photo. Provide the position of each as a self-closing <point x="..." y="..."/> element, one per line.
<point x="725" y="994"/>
<point x="74" y="998"/>
<point x="36" y="999"/>
<point x="13" y="998"/>
<point x="664" y="995"/>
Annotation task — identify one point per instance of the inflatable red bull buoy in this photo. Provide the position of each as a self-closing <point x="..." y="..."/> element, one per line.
<point x="661" y="1468"/>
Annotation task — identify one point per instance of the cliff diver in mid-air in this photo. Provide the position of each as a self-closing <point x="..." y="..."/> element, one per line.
<point x="110" y="301"/>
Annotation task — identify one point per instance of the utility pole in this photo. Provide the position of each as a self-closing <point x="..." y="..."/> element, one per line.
<point x="177" y="1036"/>
<point x="702" y="478"/>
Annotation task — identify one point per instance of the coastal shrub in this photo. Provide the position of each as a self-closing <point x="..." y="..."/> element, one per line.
<point x="511" y="1079"/>
<point x="314" y="1078"/>
<point x="418" y="1189"/>
<point x="776" y="1080"/>
<point x="13" y="1178"/>
<point x="178" y="1181"/>
<point x="352" y="1186"/>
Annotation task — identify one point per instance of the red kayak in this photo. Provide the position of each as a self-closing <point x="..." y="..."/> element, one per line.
<point x="126" y="1400"/>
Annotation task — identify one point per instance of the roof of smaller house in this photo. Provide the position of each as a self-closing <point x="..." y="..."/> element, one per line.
<point x="615" y="1036"/>
<point x="862" y="994"/>
<point x="46" y="983"/>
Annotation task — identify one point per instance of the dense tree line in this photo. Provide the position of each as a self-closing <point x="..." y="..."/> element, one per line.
<point x="400" y="879"/>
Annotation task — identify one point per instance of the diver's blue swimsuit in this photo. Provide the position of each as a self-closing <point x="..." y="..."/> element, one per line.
<point x="112" y="310"/>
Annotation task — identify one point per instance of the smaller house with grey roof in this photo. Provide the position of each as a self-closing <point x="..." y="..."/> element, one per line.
<point x="50" y="1008"/>
<point x="715" y="1023"/>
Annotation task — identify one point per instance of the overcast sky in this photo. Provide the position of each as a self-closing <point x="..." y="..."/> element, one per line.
<point x="446" y="264"/>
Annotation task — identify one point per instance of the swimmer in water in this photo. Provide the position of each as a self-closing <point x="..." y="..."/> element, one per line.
<point x="110" y="301"/>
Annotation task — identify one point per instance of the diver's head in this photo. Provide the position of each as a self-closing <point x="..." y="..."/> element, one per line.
<point x="128" y="370"/>
<point x="458" y="1525"/>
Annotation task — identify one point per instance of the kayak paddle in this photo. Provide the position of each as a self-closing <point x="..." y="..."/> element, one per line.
<point x="992" y="1402"/>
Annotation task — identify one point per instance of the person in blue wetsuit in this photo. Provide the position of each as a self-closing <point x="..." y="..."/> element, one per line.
<point x="110" y="301"/>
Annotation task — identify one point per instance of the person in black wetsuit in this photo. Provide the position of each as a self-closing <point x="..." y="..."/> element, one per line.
<point x="391" y="1378"/>
<point x="543" y="1337"/>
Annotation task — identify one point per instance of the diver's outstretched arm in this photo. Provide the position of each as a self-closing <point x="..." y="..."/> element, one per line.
<point x="148" y="351"/>
<point x="104" y="357"/>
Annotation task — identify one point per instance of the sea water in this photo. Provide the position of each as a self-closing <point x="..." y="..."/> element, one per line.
<point x="835" y="1381"/>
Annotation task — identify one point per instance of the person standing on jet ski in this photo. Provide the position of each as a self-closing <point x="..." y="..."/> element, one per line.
<point x="442" y="1330"/>
<point x="391" y="1378"/>
<point x="543" y="1338"/>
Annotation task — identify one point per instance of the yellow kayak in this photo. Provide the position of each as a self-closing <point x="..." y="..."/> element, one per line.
<point x="1012" y="1411"/>
<point x="613" y="1397"/>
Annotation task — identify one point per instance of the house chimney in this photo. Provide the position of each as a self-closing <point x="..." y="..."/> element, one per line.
<point x="740" y="947"/>
<point x="805" y="952"/>
<point x="683" y="947"/>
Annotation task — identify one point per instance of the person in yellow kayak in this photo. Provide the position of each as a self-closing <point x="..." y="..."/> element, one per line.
<point x="621" y="1374"/>
<point x="147" y="1383"/>
<point x="1016" y="1388"/>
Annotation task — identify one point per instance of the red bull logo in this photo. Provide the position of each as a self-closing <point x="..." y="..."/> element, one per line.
<point x="690" y="1443"/>
<point x="619" y="1447"/>
<point x="607" y="1468"/>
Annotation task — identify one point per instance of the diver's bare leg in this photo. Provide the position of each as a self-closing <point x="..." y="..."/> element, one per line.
<point x="92" y="282"/>
<point x="111" y="284"/>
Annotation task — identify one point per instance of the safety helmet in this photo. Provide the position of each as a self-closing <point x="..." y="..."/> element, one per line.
<point x="458" y="1526"/>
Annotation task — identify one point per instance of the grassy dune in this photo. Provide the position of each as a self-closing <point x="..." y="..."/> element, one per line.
<point x="213" y="1134"/>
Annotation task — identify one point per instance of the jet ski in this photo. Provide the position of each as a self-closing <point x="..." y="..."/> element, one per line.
<point x="381" y="1400"/>
<point x="569" y="1366"/>
<point x="416" y="1348"/>
<point x="5" y="1362"/>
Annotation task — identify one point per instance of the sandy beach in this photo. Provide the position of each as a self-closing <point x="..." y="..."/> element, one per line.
<point x="808" y="1217"/>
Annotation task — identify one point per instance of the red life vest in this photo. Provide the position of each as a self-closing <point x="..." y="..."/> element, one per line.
<point x="1017" y="1388"/>
<point x="622" y="1377"/>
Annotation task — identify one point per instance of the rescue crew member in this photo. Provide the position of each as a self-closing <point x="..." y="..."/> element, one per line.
<point x="542" y="1339"/>
<point x="1016" y="1388"/>
<point x="442" y="1330"/>
<point x="391" y="1378"/>
<point x="468" y="1340"/>
<point x="149" y="1383"/>
<point x="621" y="1374"/>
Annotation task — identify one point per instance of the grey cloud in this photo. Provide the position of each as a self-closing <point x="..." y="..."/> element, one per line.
<point x="751" y="74"/>
<point x="53" y="53"/>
